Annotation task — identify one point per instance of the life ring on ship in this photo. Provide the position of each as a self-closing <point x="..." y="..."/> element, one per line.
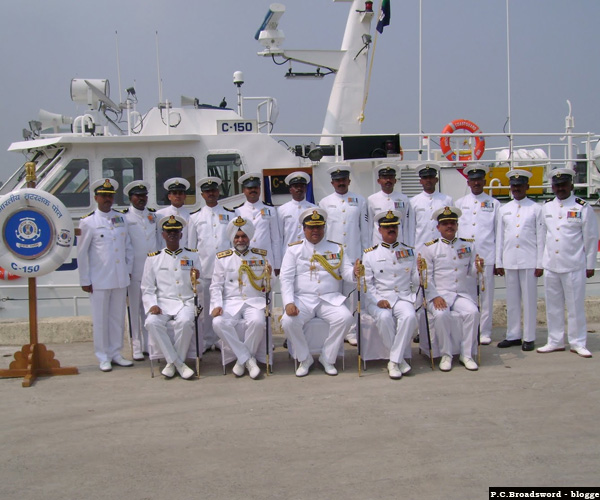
<point x="5" y="275"/>
<point x="462" y="155"/>
<point x="37" y="233"/>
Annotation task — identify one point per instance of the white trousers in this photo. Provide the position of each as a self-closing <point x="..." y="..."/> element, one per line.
<point x="340" y="321"/>
<point x="442" y="322"/>
<point x="486" y="299"/>
<point x="183" y="327"/>
<point x="521" y="287"/>
<point x="108" y="321"/>
<point x="566" y="289"/>
<point x="139" y="333"/>
<point x="225" y="324"/>
<point x="396" y="327"/>
<point x="210" y="336"/>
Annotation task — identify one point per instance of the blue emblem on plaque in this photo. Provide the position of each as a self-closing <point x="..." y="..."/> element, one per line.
<point x="28" y="234"/>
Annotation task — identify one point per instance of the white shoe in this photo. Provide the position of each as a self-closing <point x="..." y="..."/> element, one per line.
<point x="469" y="363"/>
<point x="351" y="339"/>
<point x="138" y="356"/>
<point x="446" y="363"/>
<point x="121" y="361"/>
<point x="169" y="370"/>
<point x="582" y="351"/>
<point x="253" y="368"/>
<point x="302" y="370"/>
<point x="185" y="371"/>
<point x="329" y="368"/>
<point x="485" y="340"/>
<point x="405" y="367"/>
<point x="238" y="369"/>
<point x="550" y="348"/>
<point x="105" y="366"/>
<point x="394" y="370"/>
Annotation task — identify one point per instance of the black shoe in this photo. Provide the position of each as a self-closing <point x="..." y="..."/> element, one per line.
<point x="416" y="339"/>
<point x="509" y="343"/>
<point x="528" y="346"/>
<point x="285" y="344"/>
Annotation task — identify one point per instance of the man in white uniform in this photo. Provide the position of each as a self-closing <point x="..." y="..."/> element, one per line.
<point x="141" y="224"/>
<point x="451" y="270"/>
<point x="478" y="222"/>
<point x="520" y="239"/>
<point x="168" y="296"/>
<point x="288" y="214"/>
<point x="263" y="217"/>
<point x="311" y="285"/>
<point x="569" y="258"/>
<point x="237" y="292"/>
<point x="388" y="199"/>
<point x="207" y="232"/>
<point x="176" y="188"/>
<point x="389" y="269"/>
<point x="105" y="260"/>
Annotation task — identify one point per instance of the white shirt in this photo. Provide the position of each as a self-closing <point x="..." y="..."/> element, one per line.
<point x="520" y="235"/>
<point x="183" y="212"/>
<point x="381" y="202"/>
<point x="266" y="234"/>
<point x="142" y="227"/>
<point x="478" y="222"/>
<point x="423" y="205"/>
<point x="290" y="228"/>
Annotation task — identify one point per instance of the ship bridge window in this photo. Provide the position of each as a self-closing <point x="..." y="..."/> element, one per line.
<point x="123" y="170"/>
<point x="166" y="168"/>
<point x="228" y="168"/>
<point x="72" y="185"/>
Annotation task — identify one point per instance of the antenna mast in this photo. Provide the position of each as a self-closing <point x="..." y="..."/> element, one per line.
<point x="118" y="67"/>
<point x="158" y="71"/>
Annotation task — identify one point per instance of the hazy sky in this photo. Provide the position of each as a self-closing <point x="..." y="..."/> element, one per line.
<point x="554" y="50"/>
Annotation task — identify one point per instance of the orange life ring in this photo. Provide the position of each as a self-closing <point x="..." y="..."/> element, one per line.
<point x="7" y="276"/>
<point x="462" y="125"/>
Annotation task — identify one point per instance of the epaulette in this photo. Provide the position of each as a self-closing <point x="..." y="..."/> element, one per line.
<point x="370" y="249"/>
<point x="334" y="242"/>
<point x="120" y="211"/>
<point x="152" y="254"/>
<point x="224" y="253"/>
<point x="295" y="243"/>
<point x="152" y="210"/>
<point x="125" y="210"/>
<point x="548" y="201"/>
<point x="238" y="206"/>
<point x="407" y="246"/>
<point x="580" y="202"/>
<point x="259" y="251"/>
<point x="190" y="249"/>
<point x="470" y="240"/>
<point x="195" y="211"/>
<point x="268" y="204"/>
<point x="229" y="209"/>
<point x="431" y="242"/>
<point x="91" y="213"/>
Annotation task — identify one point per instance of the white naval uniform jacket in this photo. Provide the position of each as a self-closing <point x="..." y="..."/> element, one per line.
<point x="226" y="290"/>
<point x="381" y="202"/>
<point x="141" y="225"/>
<point x="207" y="232"/>
<point x="571" y="235"/>
<point x="104" y="251"/>
<point x="451" y="269"/>
<point x="310" y="282"/>
<point x="167" y="282"/>
<point x="347" y="222"/>
<point x="290" y="228"/>
<point x="520" y="235"/>
<point x="389" y="272"/>
<point x="423" y="205"/>
<point x="266" y="233"/>
<point x="478" y="222"/>
<point x="183" y="212"/>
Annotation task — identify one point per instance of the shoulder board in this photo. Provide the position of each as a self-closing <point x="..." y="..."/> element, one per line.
<point x="431" y="242"/>
<point x="259" y="251"/>
<point x="407" y="246"/>
<point x="152" y="254"/>
<point x="190" y="249"/>
<point x="225" y="253"/>
<point x="229" y="209"/>
<point x="268" y="204"/>
<point x="152" y="210"/>
<point x="334" y="242"/>
<point x="120" y="211"/>
<point x="548" y="201"/>
<point x="238" y="206"/>
<point x="470" y="240"/>
<point x="579" y="201"/>
<point x="295" y="243"/>
<point x="195" y="211"/>
<point x="125" y="210"/>
<point x="91" y="213"/>
<point x="370" y="249"/>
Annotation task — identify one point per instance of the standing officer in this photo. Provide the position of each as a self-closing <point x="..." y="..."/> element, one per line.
<point x="519" y="248"/>
<point x="388" y="199"/>
<point x="168" y="296"/>
<point x="288" y="214"/>
<point x="389" y="268"/>
<point x="176" y="188"/>
<point x="141" y="224"/>
<point x="311" y="286"/>
<point x="263" y="217"/>
<point x="569" y="257"/>
<point x="105" y="259"/>
<point x="451" y="271"/>
<point x="237" y="292"/>
<point x="207" y="232"/>
<point x="478" y="222"/>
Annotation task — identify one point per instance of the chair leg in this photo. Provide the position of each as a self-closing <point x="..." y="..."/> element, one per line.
<point x="151" y="367"/>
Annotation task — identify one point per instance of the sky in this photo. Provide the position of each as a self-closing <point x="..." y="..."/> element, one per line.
<point x="554" y="45"/>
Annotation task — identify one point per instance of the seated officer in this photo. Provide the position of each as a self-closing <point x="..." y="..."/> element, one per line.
<point x="167" y="295"/>
<point x="451" y="270"/>
<point x="389" y="268"/>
